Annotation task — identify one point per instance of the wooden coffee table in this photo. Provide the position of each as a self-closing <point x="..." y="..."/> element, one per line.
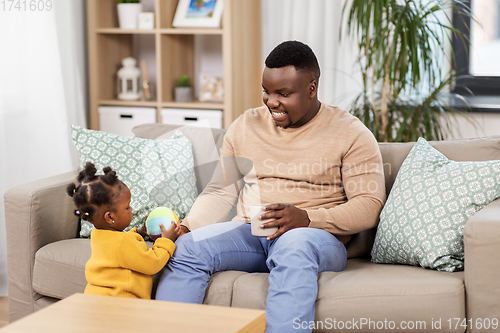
<point x="91" y="313"/>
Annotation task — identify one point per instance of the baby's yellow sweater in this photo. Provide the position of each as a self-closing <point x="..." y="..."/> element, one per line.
<point x="122" y="265"/>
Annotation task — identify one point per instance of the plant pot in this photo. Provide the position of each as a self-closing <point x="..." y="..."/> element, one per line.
<point x="183" y="94"/>
<point x="127" y="15"/>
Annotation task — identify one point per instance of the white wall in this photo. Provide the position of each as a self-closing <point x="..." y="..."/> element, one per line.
<point x="317" y="24"/>
<point x="475" y="124"/>
<point x="42" y="91"/>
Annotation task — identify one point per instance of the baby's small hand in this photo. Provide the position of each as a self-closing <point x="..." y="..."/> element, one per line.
<point x="172" y="233"/>
<point x="142" y="231"/>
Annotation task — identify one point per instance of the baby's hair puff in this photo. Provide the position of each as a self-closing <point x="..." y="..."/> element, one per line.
<point x="93" y="191"/>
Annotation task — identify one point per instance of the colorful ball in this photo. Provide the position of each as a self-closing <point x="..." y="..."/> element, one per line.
<point x="160" y="215"/>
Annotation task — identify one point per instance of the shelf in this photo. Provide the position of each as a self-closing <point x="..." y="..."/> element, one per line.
<point x="191" y="31"/>
<point x="193" y="105"/>
<point x="232" y="51"/>
<point x="118" y="31"/>
<point x="117" y="102"/>
<point x="169" y="31"/>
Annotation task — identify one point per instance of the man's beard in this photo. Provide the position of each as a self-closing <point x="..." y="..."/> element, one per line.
<point x="284" y="127"/>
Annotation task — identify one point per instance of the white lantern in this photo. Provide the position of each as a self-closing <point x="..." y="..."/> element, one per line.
<point x="128" y="80"/>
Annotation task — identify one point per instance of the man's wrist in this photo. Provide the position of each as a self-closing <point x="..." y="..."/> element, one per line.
<point x="307" y="217"/>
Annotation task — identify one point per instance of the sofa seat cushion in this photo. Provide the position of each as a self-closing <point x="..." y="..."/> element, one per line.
<point x="60" y="268"/>
<point x="60" y="272"/>
<point x="376" y="292"/>
<point x="220" y="288"/>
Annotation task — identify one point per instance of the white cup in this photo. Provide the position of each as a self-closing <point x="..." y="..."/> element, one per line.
<point x="255" y="212"/>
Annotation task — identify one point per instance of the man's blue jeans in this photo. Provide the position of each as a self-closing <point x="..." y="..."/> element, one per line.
<point x="293" y="260"/>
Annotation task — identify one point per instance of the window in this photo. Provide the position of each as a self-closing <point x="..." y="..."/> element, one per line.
<point x="477" y="51"/>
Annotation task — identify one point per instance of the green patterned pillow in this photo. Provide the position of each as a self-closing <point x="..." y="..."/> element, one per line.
<point x="158" y="172"/>
<point x="432" y="198"/>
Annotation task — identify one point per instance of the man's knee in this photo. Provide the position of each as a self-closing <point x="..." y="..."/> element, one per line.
<point x="184" y="246"/>
<point x="309" y="246"/>
<point x="295" y="242"/>
<point x="306" y="238"/>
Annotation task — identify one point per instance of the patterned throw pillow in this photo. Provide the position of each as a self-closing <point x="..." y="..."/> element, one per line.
<point x="157" y="172"/>
<point x="432" y="198"/>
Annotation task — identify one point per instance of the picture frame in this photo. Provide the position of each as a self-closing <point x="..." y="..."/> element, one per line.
<point x="212" y="89"/>
<point x="198" y="14"/>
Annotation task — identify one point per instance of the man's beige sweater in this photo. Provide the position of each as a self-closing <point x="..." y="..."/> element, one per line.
<point x="331" y="167"/>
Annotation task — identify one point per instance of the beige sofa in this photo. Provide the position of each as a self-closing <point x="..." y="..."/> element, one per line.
<point x="46" y="259"/>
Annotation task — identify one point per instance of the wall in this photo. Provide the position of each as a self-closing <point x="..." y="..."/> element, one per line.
<point x="42" y="91"/>
<point x="318" y="24"/>
<point x="475" y="124"/>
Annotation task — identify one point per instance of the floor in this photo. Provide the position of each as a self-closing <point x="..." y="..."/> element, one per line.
<point x="4" y="311"/>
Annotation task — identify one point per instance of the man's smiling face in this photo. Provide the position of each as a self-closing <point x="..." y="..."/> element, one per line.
<point x="289" y="95"/>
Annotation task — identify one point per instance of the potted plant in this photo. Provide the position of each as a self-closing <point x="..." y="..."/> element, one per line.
<point x="128" y="11"/>
<point x="183" y="92"/>
<point x="402" y="45"/>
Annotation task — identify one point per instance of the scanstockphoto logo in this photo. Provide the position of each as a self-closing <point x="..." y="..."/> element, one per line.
<point x="321" y="175"/>
<point x="387" y="325"/>
<point x="322" y="167"/>
<point x="323" y="188"/>
<point x="360" y="324"/>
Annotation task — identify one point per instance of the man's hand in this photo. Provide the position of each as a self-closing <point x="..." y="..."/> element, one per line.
<point x="184" y="230"/>
<point x="142" y="230"/>
<point x="287" y="217"/>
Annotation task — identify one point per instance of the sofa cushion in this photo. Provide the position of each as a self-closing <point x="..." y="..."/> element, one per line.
<point x="59" y="269"/>
<point x="423" y="219"/>
<point x="376" y="292"/>
<point x="476" y="149"/>
<point x="250" y="291"/>
<point x="220" y="288"/>
<point x="158" y="172"/>
<point x="207" y="143"/>
<point x="60" y="272"/>
<point x="397" y="293"/>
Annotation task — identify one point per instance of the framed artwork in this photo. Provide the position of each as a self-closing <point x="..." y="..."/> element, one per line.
<point x="198" y="13"/>
<point x="212" y="89"/>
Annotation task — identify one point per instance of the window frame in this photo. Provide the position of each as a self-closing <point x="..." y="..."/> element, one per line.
<point x="467" y="84"/>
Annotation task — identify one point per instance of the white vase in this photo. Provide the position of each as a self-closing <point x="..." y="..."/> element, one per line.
<point x="183" y="94"/>
<point x="128" y="14"/>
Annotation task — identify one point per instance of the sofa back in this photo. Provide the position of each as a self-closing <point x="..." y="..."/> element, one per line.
<point x="477" y="149"/>
<point x="206" y="145"/>
<point x="207" y="142"/>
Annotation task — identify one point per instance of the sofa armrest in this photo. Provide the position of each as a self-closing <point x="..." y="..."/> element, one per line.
<point x="36" y="214"/>
<point x="482" y="265"/>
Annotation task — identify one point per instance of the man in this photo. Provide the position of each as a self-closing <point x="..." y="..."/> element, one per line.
<point x="319" y="169"/>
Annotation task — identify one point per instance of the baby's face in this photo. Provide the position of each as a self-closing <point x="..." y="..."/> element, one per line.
<point x="123" y="214"/>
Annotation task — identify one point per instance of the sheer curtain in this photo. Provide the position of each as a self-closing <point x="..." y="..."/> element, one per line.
<point x="316" y="23"/>
<point x="42" y="91"/>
